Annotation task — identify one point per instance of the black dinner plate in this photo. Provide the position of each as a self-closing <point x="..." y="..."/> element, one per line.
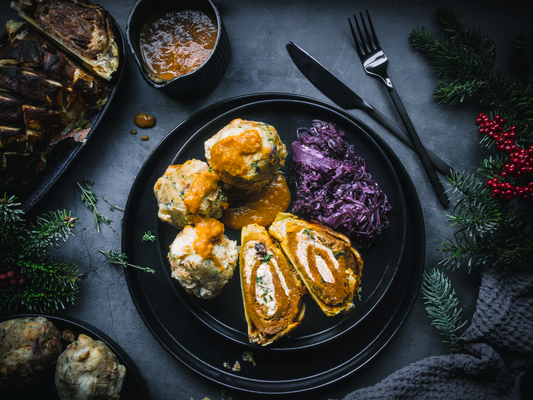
<point x="66" y="151"/>
<point x="382" y="259"/>
<point x="133" y="387"/>
<point x="204" y="334"/>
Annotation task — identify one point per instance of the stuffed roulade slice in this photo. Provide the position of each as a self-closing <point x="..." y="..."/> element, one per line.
<point x="327" y="263"/>
<point x="272" y="290"/>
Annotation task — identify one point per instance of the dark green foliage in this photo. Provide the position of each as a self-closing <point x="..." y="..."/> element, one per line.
<point x="489" y="230"/>
<point x="50" y="283"/>
<point x="441" y="306"/>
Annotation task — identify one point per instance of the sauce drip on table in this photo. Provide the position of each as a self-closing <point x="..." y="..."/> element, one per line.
<point x="143" y="120"/>
<point x="176" y="43"/>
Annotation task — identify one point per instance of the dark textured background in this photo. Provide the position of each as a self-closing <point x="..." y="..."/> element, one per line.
<point x="258" y="33"/>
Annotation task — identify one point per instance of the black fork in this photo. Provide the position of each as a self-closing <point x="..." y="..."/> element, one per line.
<point x="376" y="63"/>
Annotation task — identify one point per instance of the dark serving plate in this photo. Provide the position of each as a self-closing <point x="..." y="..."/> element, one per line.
<point x="67" y="150"/>
<point x="133" y="388"/>
<point x="205" y="334"/>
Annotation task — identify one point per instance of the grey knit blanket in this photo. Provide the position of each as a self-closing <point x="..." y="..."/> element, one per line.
<point x="498" y="348"/>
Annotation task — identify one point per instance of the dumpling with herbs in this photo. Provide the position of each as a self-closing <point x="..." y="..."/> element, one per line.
<point x="28" y="347"/>
<point x="189" y="189"/>
<point x="89" y="370"/>
<point x="202" y="258"/>
<point x="246" y="154"/>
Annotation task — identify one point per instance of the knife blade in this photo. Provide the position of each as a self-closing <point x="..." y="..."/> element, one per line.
<point x="346" y="98"/>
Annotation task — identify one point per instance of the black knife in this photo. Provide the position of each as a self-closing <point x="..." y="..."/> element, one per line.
<point x="344" y="97"/>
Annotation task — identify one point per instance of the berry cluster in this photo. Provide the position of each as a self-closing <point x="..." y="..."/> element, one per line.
<point x="520" y="163"/>
<point x="10" y="277"/>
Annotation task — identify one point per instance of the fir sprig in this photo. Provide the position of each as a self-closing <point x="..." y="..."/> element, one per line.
<point x="441" y="306"/>
<point x="465" y="59"/>
<point x="50" y="283"/>
<point x="487" y="229"/>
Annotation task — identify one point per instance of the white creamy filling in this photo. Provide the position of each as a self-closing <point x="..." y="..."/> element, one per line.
<point x="264" y="289"/>
<point x="301" y="252"/>
<point x="281" y="277"/>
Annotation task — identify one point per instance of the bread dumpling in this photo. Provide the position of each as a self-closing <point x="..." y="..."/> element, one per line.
<point x="89" y="370"/>
<point x="271" y="289"/>
<point x="187" y="190"/>
<point x="28" y="347"/>
<point x="202" y="259"/>
<point x="327" y="263"/>
<point x="246" y="154"/>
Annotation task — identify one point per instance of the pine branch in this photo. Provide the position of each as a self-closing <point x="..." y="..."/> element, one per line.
<point x="524" y="45"/>
<point x="42" y="285"/>
<point x="441" y="306"/>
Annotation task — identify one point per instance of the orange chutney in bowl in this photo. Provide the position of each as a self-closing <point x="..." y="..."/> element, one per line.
<point x="176" y="43"/>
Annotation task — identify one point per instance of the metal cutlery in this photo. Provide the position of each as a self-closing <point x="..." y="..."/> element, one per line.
<point x="344" y="97"/>
<point x="375" y="63"/>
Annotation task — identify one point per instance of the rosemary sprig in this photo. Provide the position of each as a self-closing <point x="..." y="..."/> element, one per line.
<point x="441" y="306"/>
<point x="89" y="198"/>
<point x="115" y="257"/>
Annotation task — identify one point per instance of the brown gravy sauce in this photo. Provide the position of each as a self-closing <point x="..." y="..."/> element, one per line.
<point x="259" y="207"/>
<point x="175" y="43"/>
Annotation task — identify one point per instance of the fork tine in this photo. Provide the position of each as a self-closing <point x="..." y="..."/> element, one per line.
<point x="362" y="38"/>
<point x="367" y="35"/>
<point x="375" y="37"/>
<point x="355" y="38"/>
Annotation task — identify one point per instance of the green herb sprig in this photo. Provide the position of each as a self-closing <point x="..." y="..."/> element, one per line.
<point x="118" y="258"/>
<point x="148" y="237"/>
<point x="89" y="198"/>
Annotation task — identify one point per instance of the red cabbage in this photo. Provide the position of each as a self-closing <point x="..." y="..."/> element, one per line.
<point x="333" y="186"/>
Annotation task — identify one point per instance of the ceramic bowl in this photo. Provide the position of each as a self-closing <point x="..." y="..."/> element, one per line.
<point x="203" y="78"/>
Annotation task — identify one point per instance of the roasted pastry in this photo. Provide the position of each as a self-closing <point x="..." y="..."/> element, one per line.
<point x="202" y="259"/>
<point x="28" y="347"/>
<point x="44" y="98"/>
<point x="271" y="289"/>
<point x="327" y="263"/>
<point x="81" y="28"/>
<point x="246" y="154"/>
<point x="187" y="190"/>
<point x="89" y="370"/>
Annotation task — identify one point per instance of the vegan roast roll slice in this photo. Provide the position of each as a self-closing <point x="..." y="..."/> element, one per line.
<point x="327" y="263"/>
<point x="271" y="289"/>
<point x="80" y="27"/>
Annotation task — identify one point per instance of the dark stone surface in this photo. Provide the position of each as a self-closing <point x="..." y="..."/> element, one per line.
<point x="258" y="33"/>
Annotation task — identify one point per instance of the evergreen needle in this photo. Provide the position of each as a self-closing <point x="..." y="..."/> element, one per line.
<point x="115" y="257"/>
<point x="441" y="306"/>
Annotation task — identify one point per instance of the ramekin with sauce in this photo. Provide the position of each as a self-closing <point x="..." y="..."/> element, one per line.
<point x="179" y="46"/>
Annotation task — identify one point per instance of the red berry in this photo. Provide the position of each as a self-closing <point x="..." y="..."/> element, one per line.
<point x="3" y="277"/>
<point x="21" y="281"/>
<point x="10" y="274"/>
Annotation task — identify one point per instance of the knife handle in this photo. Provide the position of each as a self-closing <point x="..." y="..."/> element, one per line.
<point x="421" y="151"/>
<point x="442" y="166"/>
